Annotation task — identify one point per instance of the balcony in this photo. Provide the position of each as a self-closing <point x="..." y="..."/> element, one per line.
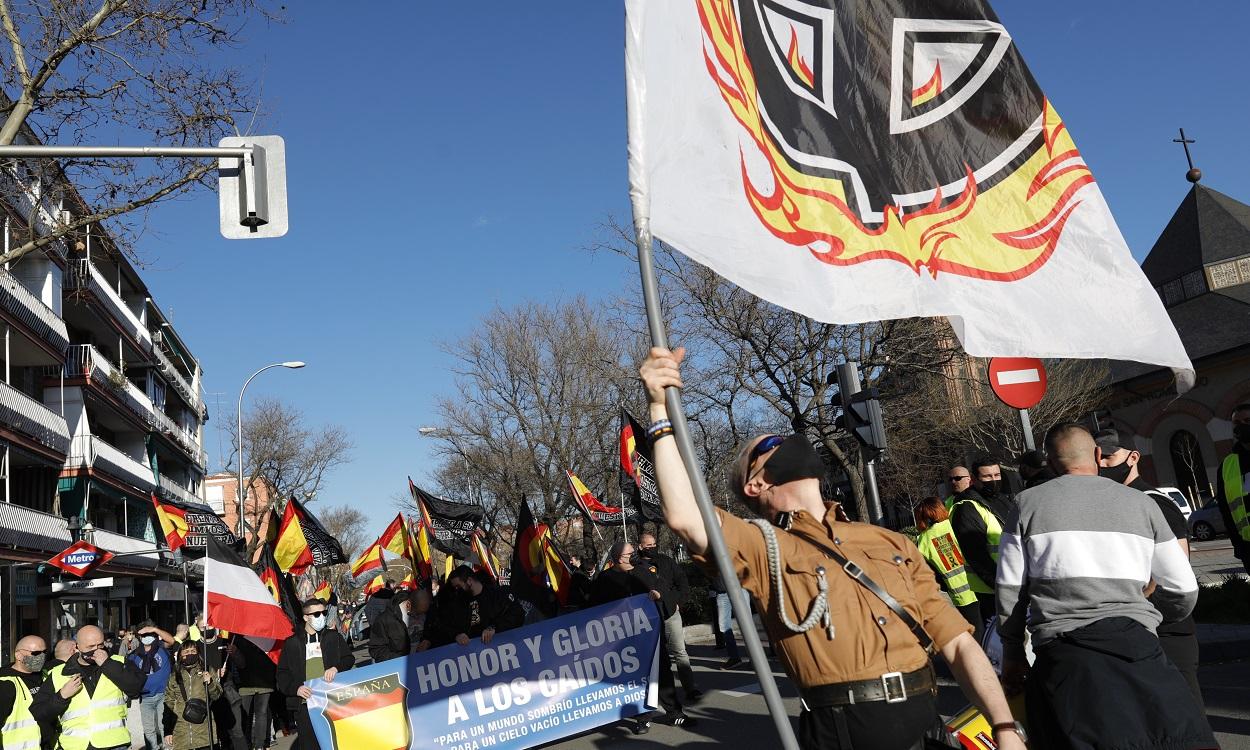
<point x="85" y="361"/>
<point x="89" y="450"/>
<point x="83" y="275"/>
<point x="174" y="491"/>
<point x="28" y="416"/>
<point x="116" y="543"/>
<point x="34" y="314"/>
<point x="175" y="378"/>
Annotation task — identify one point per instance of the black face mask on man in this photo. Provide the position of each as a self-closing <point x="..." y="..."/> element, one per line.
<point x="1118" y="474"/>
<point x="989" y="488"/>
<point x="793" y="460"/>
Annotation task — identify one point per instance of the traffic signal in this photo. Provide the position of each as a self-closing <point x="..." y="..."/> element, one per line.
<point x="862" y="418"/>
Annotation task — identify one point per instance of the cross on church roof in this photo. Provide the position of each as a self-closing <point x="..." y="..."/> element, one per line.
<point x="1194" y="174"/>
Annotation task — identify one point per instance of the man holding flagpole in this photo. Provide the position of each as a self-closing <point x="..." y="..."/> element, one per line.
<point x="869" y="607"/>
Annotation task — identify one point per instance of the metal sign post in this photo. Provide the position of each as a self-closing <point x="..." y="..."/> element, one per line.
<point x="1027" y="425"/>
<point x="251" y="177"/>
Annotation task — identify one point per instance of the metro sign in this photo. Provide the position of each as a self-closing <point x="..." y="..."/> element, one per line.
<point x="80" y="558"/>
<point x="1019" y="382"/>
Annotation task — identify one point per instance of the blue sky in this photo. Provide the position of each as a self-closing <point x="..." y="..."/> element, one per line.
<point x="445" y="158"/>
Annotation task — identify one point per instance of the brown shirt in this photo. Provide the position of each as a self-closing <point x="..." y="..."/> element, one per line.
<point x="869" y="639"/>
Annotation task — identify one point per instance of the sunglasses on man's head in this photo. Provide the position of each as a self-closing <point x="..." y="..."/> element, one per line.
<point x="764" y="446"/>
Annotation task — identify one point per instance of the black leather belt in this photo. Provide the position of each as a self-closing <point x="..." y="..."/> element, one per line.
<point x="894" y="687"/>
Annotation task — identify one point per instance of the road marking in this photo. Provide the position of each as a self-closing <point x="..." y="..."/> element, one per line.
<point x="751" y="689"/>
<point x="1016" y="377"/>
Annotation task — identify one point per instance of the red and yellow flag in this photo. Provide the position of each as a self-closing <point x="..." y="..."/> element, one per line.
<point x="377" y="584"/>
<point x="291" y="551"/>
<point x="323" y="591"/>
<point x="369" y="560"/>
<point x="486" y="559"/>
<point x="174" y="523"/>
<point x="419" y="532"/>
<point x="592" y="507"/>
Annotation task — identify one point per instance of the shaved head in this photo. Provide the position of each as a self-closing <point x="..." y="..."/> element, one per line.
<point x="89" y="638"/>
<point x="63" y="650"/>
<point x="32" y="643"/>
<point x="1071" y="449"/>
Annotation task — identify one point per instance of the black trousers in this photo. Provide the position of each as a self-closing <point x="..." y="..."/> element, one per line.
<point x="307" y="738"/>
<point x="228" y="719"/>
<point x="972" y="613"/>
<point x="1182" y="651"/>
<point x="869" y="726"/>
<point x="256" y="719"/>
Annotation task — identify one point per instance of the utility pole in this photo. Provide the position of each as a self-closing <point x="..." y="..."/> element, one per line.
<point x="860" y="424"/>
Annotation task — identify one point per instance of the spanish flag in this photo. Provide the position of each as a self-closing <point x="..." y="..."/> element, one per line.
<point x="486" y="559"/>
<point x="370" y="561"/>
<point x="291" y="550"/>
<point x="592" y="507"/>
<point x="173" y="523"/>
<point x="323" y="591"/>
<point x="423" y="563"/>
<point x="377" y="584"/>
<point x="395" y="540"/>
<point x="537" y="562"/>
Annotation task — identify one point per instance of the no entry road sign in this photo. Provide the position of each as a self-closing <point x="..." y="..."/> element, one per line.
<point x="1019" y="382"/>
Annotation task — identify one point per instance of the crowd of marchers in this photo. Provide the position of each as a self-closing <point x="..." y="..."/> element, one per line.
<point x="1079" y="582"/>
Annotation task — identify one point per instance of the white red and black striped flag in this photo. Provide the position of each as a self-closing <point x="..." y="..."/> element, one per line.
<point x="236" y="600"/>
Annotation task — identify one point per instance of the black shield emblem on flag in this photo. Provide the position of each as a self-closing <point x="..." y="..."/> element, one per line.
<point x="904" y="130"/>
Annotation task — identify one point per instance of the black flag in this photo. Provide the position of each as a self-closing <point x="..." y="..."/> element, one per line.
<point x="451" y="523"/>
<point x="638" y="470"/>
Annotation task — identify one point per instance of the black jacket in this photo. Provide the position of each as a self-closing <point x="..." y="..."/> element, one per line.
<point x="388" y="635"/>
<point x="613" y="584"/>
<point x="970" y="530"/>
<point x="48" y="704"/>
<point x="291" y="663"/>
<point x="493" y="608"/>
<point x="252" y="667"/>
<point x="674" y="586"/>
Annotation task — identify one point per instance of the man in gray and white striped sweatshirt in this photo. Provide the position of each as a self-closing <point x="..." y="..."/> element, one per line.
<point x="1075" y="561"/>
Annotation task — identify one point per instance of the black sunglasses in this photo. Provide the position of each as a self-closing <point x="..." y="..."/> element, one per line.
<point x="36" y="653"/>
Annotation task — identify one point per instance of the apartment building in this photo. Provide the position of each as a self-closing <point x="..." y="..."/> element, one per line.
<point x="100" y="407"/>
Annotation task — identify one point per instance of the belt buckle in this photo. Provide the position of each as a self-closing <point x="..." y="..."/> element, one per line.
<point x="900" y="692"/>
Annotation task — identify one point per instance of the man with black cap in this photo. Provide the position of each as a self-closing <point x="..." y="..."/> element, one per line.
<point x="868" y="604"/>
<point x="1119" y="463"/>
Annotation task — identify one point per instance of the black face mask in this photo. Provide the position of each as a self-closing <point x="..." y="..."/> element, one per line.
<point x="989" y="489"/>
<point x="1118" y="474"/>
<point x="1242" y="433"/>
<point x="636" y="558"/>
<point x="794" y="459"/>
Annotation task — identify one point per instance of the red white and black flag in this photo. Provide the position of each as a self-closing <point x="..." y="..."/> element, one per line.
<point x="236" y="600"/>
<point x="876" y="160"/>
<point x="638" y="470"/>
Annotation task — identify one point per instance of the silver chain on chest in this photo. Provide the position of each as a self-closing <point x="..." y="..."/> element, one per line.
<point x="820" y="605"/>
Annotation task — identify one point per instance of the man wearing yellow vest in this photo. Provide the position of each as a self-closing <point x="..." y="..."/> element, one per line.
<point x="19" y="684"/>
<point x="977" y="517"/>
<point x="1233" y="486"/>
<point x="89" y="694"/>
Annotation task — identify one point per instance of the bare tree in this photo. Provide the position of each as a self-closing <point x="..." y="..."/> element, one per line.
<point x="285" y="456"/>
<point x="155" y="71"/>
<point x="754" y="364"/>
<point x="346" y="524"/>
<point x="539" y="391"/>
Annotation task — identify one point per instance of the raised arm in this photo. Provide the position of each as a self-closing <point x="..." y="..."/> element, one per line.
<point x="662" y="369"/>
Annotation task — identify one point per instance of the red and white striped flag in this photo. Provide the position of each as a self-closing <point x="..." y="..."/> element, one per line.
<point x="236" y="600"/>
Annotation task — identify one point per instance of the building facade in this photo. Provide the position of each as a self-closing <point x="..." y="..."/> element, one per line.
<point x="100" y="408"/>
<point x="1200" y="266"/>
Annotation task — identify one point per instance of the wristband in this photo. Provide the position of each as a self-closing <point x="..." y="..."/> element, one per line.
<point x="659" y="429"/>
<point x="1009" y="726"/>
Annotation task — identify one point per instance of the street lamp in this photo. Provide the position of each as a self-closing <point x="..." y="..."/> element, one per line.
<point x="427" y="431"/>
<point x="295" y="365"/>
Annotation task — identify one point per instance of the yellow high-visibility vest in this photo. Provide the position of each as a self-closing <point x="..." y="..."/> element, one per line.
<point x="938" y="545"/>
<point x="993" y="531"/>
<point x="98" y="719"/>
<point x="1235" y="495"/>
<point x="20" y="730"/>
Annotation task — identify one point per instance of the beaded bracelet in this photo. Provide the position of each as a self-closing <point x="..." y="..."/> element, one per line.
<point x="659" y="429"/>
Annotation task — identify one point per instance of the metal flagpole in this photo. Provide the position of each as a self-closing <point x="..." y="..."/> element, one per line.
<point x="639" y="199"/>
<point x="716" y="541"/>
